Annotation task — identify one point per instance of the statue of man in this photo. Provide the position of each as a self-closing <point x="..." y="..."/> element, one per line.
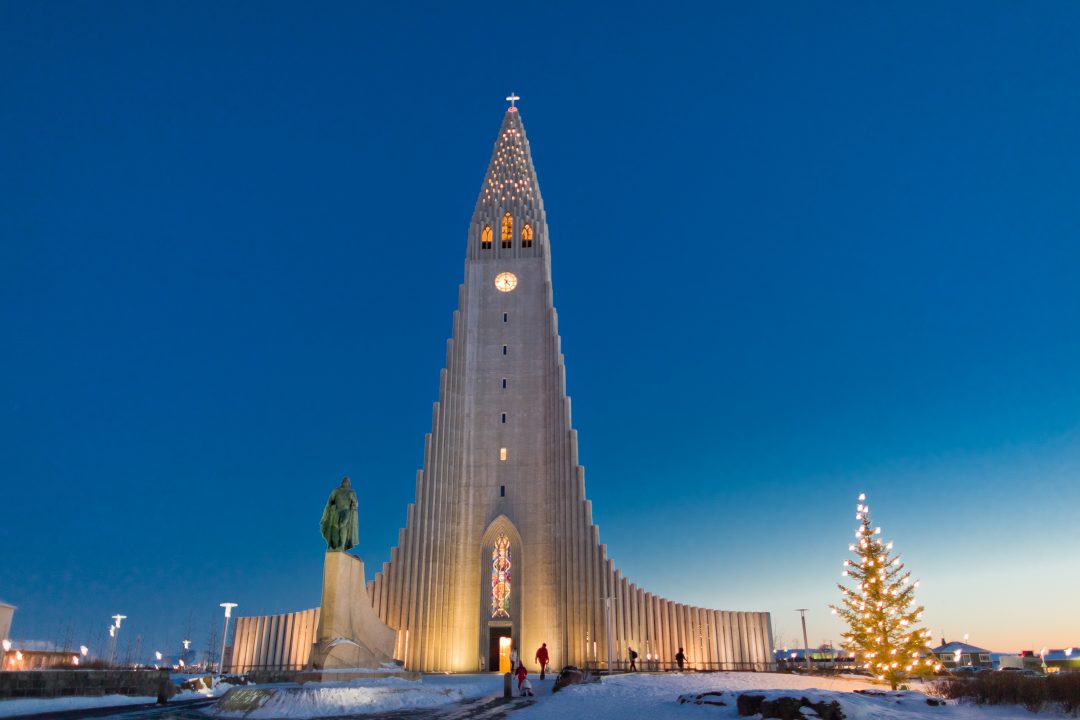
<point x="340" y="523"/>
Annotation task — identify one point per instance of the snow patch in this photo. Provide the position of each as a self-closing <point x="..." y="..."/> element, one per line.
<point x="31" y="706"/>
<point x="356" y="697"/>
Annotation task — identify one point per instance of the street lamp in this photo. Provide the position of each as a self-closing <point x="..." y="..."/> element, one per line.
<point x="607" y="630"/>
<point x="805" y="642"/>
<point x="225" y="633"/>
<point x="114" y="633"/>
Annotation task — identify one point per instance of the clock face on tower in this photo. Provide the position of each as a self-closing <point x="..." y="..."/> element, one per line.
<point x="505" y="282"/>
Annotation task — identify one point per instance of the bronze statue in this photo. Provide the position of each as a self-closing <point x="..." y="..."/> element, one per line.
<point x="340" y="523"/>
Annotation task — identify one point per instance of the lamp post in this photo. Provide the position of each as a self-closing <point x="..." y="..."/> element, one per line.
<point x="607" y="631"/>
<point x="805" y="642"/>
<point x="114" y="634"/>
<point x="225" y="633"/>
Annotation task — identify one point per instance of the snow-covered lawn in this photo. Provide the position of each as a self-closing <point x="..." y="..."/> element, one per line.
<point x="30" y="706"/>
<point x="655" y="697"/>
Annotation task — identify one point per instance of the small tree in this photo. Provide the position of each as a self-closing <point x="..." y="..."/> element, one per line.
<point x="880" y="609"/>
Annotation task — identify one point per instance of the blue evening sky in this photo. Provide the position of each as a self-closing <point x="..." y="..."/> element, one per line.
<point x="800" y="250"/>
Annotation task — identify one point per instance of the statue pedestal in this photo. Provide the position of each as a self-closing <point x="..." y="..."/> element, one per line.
<point x="350" y="634"/>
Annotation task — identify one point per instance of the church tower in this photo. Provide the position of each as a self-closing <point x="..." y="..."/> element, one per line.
<point x="499" y="550"/>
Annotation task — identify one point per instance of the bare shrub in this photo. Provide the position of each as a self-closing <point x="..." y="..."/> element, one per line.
<point x="1008" y="688"/>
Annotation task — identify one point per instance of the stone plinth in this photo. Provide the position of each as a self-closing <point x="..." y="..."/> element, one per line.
<point x="349" y="634"/>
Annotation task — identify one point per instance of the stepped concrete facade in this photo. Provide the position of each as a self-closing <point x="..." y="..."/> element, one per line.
<point x="499" y="550"/>
<point x="501" y="463"/>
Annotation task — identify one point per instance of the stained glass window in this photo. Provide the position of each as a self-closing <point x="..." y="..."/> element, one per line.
<point x="526" y="236"/>
<point x="485" y="238"/>
<point x="507" y="231"/>
<point x="500" y="578"/>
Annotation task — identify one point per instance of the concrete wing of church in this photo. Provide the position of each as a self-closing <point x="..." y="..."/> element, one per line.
<point x="499" y="551"/>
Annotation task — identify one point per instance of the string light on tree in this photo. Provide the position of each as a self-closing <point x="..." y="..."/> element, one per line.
<point x="880" y="610"/>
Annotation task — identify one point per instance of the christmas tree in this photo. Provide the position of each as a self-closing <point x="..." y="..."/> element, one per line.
<point x="880" y="609"/>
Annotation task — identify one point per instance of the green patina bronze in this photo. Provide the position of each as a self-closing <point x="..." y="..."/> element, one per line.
<point x="340" y="523"/>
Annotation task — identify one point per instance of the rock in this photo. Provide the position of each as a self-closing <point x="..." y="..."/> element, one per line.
<point x="749" y="704"/>
<point x="934" y="703"/>
<point x="571" y="675"/>
<point x="709" y="698"/>
<point x="784" y="708"/>
<point x="788" y="708"/>
<point x="826" y="710"/>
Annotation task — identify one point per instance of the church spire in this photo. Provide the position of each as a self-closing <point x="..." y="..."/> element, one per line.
<point x="509" y="219"/>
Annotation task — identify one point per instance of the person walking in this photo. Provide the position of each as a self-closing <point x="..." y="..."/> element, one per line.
<point x="633" y="659"/>
<point x="680" y="658"/>
<point x="542" y="659"/>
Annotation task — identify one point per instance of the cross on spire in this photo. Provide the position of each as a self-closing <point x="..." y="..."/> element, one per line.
<point x="512" y="98"/>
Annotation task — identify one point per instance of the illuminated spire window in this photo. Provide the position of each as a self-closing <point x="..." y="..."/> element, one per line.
<point x="507" y="231"/>
<point x="526" y="236"/>
<point x="500" y="578"/>
<point x="485" y="238"/>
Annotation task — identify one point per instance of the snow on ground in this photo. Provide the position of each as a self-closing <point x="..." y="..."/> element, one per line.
<point x="655" y="697"/>
<point x="216" y="688"/>
<point x="354" y="697"/>
<point x="29" y="706"/>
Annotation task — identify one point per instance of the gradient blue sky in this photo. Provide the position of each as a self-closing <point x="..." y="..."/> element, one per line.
<point x="801" y="250"/>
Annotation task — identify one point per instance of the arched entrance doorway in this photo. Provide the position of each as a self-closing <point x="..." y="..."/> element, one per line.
<point x="501" y="585"/>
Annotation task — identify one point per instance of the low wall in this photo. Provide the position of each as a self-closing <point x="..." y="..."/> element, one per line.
<point x="273" y="642"/>
<point x="58" y="683"/>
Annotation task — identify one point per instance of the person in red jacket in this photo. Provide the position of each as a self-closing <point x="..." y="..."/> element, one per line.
<point x="522" y="673"/>
<point x="542" y="658"/>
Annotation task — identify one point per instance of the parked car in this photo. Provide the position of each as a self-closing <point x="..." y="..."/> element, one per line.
<point x="968" y="670"/>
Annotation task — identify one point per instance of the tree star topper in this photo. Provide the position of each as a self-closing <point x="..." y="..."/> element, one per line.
<point x="512" y="98"/>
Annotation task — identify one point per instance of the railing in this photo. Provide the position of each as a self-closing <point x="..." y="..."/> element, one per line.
<point x="623" y="666"/>
<point x="241" y="668"/>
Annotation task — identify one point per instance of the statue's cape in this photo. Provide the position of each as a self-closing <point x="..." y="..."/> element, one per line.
<point x="326" y="523"/>
<point x="353" y="538"/>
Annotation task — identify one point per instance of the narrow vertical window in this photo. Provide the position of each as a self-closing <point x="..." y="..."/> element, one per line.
<point x="485" y="238"/>
<point x="504" y="349"/>
<point x="502" y="491"/>
<point x="506" y="317"/>
<point x="500" y="578"/>
<point x="507" y="231"/>
<point x="502" y="454"/>
<point x="526" y="236"/>
<point x="504" y="418"/>
<point x="504" y="383"/>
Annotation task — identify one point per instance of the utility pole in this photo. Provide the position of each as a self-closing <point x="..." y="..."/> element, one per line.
<point x="806" y="643"/>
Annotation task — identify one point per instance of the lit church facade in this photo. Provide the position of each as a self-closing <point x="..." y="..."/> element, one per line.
<point x="499" y="550"/>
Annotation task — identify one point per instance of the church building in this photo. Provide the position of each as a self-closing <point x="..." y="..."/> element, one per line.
<point x="499" y="550"/>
